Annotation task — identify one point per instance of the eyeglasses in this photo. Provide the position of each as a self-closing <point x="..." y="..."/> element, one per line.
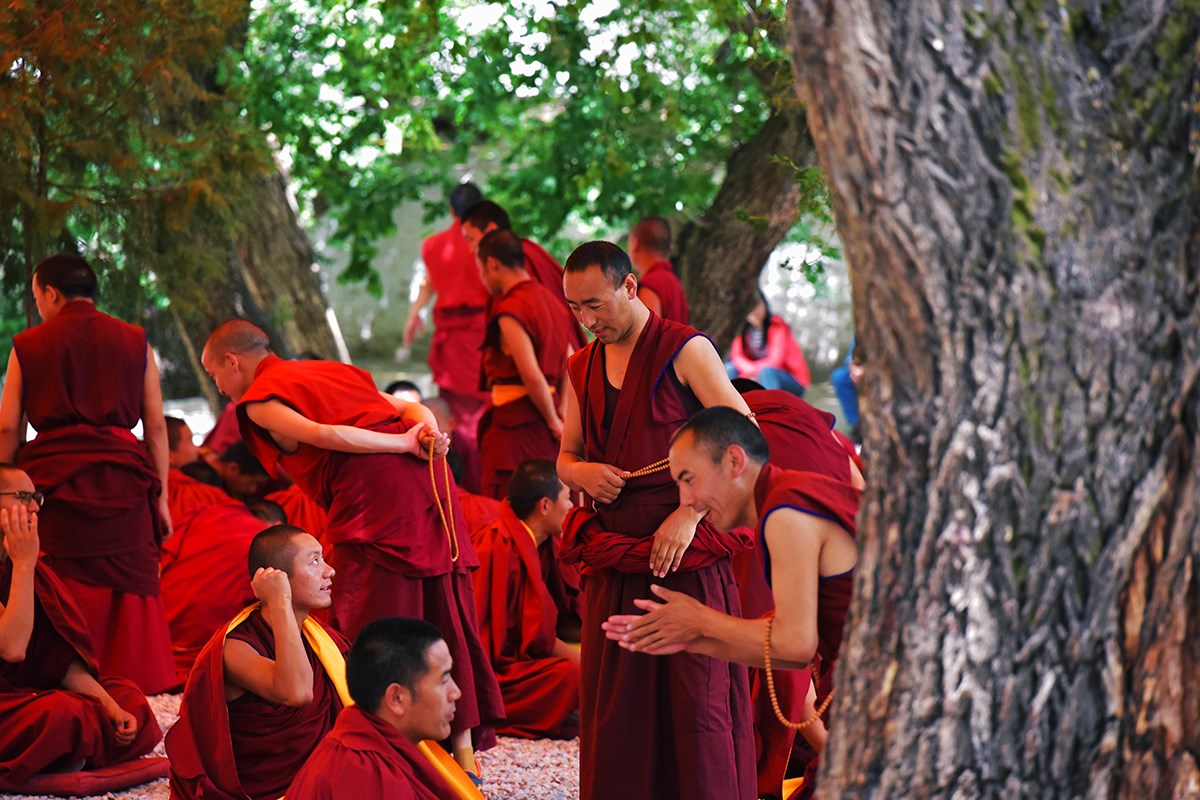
<point x="25" y="497"/>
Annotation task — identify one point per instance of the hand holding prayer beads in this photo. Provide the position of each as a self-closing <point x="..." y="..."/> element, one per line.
<point x="602" y="482"/>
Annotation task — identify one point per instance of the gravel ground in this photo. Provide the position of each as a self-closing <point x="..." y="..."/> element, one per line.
<point x="516" y="769"/>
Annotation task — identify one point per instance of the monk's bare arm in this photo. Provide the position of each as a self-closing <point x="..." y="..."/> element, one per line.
<point x="154" y="431"/>
<point x="78" y="679"/>
<point x="288" y="680"/>
<point x="699" y="367"/>
<point x="602" y="482"/>
<point x="651" y="299"/>
<point x="289" y="428"/>
<point x="520" y="346"/>
<point x="412" y="413"/>
<point x="16" y="618"/>
<point x="12" y="411"/>
<point x="414" y="326"/>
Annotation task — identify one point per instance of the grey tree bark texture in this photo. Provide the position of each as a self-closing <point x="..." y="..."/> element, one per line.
<point x="1016" y="187"/>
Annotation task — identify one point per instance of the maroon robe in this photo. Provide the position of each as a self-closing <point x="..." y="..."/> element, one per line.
<point x="546" y="270"/>
<point x="225" y="431"/>
<point x="43" y="725"/>
<point x="459" y="312"/>
<point x="84" y="374"/>
<point x="477" y="509"/>
<point x="204" y="578"/>
<point x="301" y="511"/>
<point x="187" y="496"/>
<point x="651" y="727"/>
<point x="662" y="280"/>
<point x="516" y="431"/>
<point x="247" y="747"/>
<point x="390" y="550"/>
<point x="837" y="501"/>
<point x="518" y="619"/>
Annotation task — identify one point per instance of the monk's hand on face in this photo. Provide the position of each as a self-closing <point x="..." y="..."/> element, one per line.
<point x="602" y="482"/>
<point x="20" y="535"/>
<point x="671" y="541"/>
<point x="667" y="627"/>
<point x="272" y="587"/>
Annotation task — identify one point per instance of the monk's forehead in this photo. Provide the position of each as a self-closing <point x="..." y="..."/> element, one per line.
<point x="15" y="480"/>
<point x="591" y="283"/>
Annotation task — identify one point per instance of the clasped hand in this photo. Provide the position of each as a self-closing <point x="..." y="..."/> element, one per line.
<point x="426" y="442"/>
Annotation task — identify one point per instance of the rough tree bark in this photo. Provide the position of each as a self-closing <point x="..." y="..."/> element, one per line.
<point x="1019" y="208"/>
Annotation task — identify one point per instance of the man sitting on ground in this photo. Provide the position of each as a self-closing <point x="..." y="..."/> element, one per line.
<point x="55" y="714"/>
<point x="242" y="476"/>
<point x="264" y="690"/>
<point x="398" y="673"/>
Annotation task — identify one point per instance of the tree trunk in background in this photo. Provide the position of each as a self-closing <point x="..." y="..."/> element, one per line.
<point x="720" y="255"/>
<point x="1018" y="203"/>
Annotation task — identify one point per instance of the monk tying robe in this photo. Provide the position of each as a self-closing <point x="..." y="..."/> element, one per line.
<point x="806" y="524"/>
<point x="55" y="713"/>
<point x="263" y="691"/>
<point x="518" y="615"/>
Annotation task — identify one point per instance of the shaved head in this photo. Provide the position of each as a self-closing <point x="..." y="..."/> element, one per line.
<point x="275" y="547"/>
<point x="654" y="234"/>
<point x="238" y="336"/>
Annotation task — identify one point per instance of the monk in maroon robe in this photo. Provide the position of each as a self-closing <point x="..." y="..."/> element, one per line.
<point x="806" y="526"/>
<point x="55" y="710"/>
<point x="524" y="358"/>
<point x="265" y="689"/>
<point x="401" y="548"/>
<point x="652" y="728"/>
<point x="658" y="285"/>
<point x="181" y="445"/>
<point x="398" y="673"/>
<point x="84" y="379"/>
<point x="302" y="511"/>
<point x="518" y="616"/>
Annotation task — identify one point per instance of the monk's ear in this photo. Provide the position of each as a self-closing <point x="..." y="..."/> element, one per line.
<point x="737" y="459"/>
<point x="397" y="699"/>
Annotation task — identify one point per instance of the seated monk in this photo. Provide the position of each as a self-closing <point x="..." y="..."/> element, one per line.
<point x="268" y="686"/>
<point x="242" y="475"/>
<point x="191" y="488"/>
<point x="55" y="713"/>
<point x="398" y="673"/>
<point x="518" y="615"/>
<point x="203" y="585"/>
<point x="302" y="511"/>
<point x="181" y="446"/>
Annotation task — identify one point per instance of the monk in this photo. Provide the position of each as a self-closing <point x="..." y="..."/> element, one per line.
<point x="459" y="317"/>
<point x="84" y="379"/>
<point x="264" y="690"/>
<point x="364" y="457"/>
<point x="525" y="354"/>
<point x="242" y="476"/>
<point x="203" y="584"/>
<point x="658" y="285"/>
<point x="518" y="615"/>
<point x="55" y="712"/>
<point x="302" y="511"/>
<point x="399" y="674"/>
<point x="181" y="444"/>
<point x="806" y="523"/>
<point x="678" y="727"/>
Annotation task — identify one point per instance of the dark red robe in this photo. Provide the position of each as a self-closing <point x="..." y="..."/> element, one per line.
<point x="835" y="500"/>
<point x="247" y="747"/>
<point x="42" y="724"/>
<point x="477" y="509"/>
<point x="652" y="727"/>
<point x="301" y="511"/>
<point x="799" y="436"/>
<point x="459" y="312"/>
<point x="204" y="577"/>
<point x="187" y="496"/>
<point x="546" y="270"/>
<point x="391" y="552"/>
<point x="518" y="619"/>
<point x="516" y="431"/>
<point x="225" y="431"/>
<point x="662" y="280"/>
<point x="364" y="757"/>
<point x="84" y="374"/>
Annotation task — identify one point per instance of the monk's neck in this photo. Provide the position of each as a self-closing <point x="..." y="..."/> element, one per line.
<point x="511" y="278"/>
<point x="641" y="317"/>
<point x="749" y="515"/>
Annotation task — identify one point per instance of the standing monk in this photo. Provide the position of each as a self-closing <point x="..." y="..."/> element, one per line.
<point x="363" y="456"/>
<point x="459" y="316"/>
<point x="84" y="379"/>
<point x="658" y="285"/>
<point x="524" y="358"/>
<point x="680" y="726"/>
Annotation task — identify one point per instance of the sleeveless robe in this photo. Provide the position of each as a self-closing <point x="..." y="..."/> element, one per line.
<point x="837" y="501"/>
<point x="651" y="727"/>
<point x="83" y="375"/>
<point x="44" y="725"/>
<point x="516" y="431"/>
<point x="518" y="620"/>
<point x="662" y="280"/>
<point x="392" y="555"/>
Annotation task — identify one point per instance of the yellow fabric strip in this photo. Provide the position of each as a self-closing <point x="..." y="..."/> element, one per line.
<point x="509" y="392"/>
<point x="450" y="770"/>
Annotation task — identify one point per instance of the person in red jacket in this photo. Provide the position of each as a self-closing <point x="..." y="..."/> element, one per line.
<point x="766" y="351"/>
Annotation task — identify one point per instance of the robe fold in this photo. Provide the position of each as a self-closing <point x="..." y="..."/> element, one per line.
<point x="837" y="501"/>
<point x="187" y="496"/>
<point x="43" y="725"/>
<point x="477" y="509"/>
<point x="364" y="757"/>
<point x="546" y="270"/>
<point x="516" y="431"/>
<point x="389" y="547"/>
<point x="249" y="747"/>
<point x="301" y="511"/>
<point x="518" y="621"/>
<point x="204" y="577"/>
<point x="661" y="279"/>
<point x="83" y="377"/>
<point x="652" y="727"/>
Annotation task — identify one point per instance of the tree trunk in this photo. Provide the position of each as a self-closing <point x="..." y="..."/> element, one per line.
<point x="720" y="255"/>
<point x="1018" y="203"/>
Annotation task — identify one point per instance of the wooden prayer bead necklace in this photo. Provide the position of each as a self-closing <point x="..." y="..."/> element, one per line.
<point x="649" y="469"/>
<point x="796" y="726"/>
<point x="448" y="511"/>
